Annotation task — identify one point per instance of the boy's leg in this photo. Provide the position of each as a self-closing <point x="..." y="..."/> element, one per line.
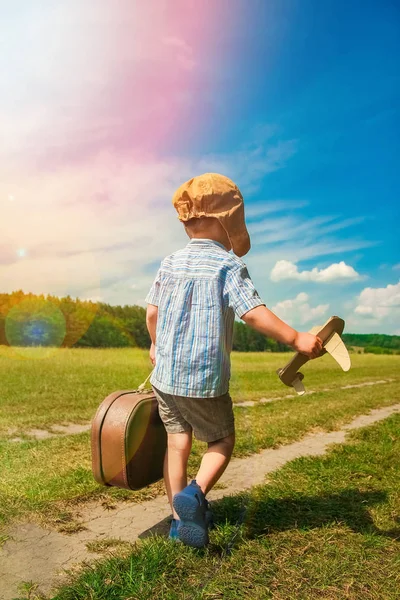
<point x="175" y="464"/>
<point x="179" y="444"/>
<point x="214" y="462"/>
<point x="191" y="503"/>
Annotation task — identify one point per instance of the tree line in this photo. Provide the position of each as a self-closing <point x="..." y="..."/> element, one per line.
<point x="45" y="320"/>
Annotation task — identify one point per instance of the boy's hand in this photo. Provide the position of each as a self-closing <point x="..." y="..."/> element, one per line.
<point x="308" y="344"/>
<point x="153" y="353"/>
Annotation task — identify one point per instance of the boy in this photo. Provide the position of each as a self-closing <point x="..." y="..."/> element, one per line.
<point x="190" y="315"/>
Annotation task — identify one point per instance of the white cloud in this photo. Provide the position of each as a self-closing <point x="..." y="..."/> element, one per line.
<point x="298" y="310"/>
<point x="380" y="303"/>
<point x="293" y="227"/>
<point x="273" y="206"/>
<point x="285" y="269"/>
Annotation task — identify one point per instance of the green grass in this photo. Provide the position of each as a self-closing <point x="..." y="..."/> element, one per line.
<point x="325" y="527"/>
<point x="44" y="479"/>
<point x="314" y="533"/>
<point x="69" y="384"/>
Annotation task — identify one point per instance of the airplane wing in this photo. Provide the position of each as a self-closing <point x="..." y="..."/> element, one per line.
<point x="336" y="348"/>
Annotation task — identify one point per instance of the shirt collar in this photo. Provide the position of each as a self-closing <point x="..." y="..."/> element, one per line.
<point x="206" y="241"/>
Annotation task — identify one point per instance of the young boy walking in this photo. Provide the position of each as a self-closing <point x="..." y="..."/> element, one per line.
<point x="192" y="304"/>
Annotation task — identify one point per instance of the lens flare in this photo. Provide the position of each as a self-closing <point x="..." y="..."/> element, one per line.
<point x="35" y="328"/>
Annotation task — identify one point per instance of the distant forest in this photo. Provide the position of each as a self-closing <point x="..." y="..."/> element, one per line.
<point x="38" y="320"/>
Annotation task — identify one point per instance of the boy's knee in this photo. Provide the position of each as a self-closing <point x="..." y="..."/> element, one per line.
<point x="180" y="442"/>
<point x="228" y="442"/>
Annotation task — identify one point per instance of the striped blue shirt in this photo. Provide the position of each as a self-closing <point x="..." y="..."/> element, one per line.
<point x="198" y="291"/>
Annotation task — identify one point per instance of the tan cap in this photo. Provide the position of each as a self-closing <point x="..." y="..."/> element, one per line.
<point x="214" y="195"/>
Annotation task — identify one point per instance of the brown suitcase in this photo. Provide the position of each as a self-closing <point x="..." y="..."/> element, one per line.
<point x="128" y="440"/>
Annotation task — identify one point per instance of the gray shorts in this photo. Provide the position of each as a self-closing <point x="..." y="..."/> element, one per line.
<point x="210" y="418"/>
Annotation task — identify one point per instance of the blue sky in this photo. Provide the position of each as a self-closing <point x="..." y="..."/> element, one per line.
<point x="105" y="112"/>
<point x="323" y="75"/>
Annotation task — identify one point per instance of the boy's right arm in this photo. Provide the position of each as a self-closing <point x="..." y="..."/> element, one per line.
<point x="267" y="323"/>
<point x="152" y="299"/>
<point x="241" y="295"/>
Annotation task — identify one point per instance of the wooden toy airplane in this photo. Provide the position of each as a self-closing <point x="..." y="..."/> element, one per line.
<point x="332" y="342"/>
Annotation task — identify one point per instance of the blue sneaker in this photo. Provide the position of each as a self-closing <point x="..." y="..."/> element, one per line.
<point x="209" y="517"/>
<point x="173" y="532"/>
<point x="192" y="508"/>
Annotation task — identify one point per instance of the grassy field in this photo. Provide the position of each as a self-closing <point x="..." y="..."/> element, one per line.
<point x="322" y="528"/>
<point x="43" y="479"/>
<point x="69" y="384"/>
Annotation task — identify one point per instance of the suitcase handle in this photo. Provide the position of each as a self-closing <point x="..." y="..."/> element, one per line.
<point x="141" y="386"/>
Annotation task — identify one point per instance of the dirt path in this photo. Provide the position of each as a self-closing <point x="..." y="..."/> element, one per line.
<point x="40" y="555"/>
